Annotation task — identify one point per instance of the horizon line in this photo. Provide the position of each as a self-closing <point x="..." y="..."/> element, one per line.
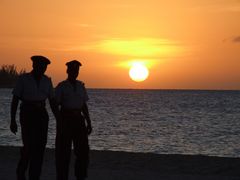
<point x="150" y="89"/>
<point x="163" y="89"/>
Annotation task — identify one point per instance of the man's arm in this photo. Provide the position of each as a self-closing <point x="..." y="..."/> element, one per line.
<point x="14" y="105"/>
<point x="87" y="117"/>
<point x="54" y="107"/>
<point x="53" y="101"/>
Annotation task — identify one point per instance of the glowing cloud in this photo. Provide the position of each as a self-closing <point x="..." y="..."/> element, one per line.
<point x="145" y="62"/>
<point x="142" y="47"/>
<point x="145" y="47"/>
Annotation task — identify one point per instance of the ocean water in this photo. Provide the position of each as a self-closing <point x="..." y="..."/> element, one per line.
<point x="156" y="121"/>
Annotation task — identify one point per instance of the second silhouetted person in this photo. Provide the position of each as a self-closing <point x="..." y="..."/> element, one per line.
<point x="72" y="128"/>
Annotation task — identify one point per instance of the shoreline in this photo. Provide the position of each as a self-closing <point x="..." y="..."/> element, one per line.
<point x="114" y="165"/>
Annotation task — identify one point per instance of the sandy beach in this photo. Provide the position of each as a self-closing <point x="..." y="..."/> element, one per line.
<point x="113" y="165"/>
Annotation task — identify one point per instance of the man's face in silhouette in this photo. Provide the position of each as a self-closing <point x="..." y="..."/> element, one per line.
<point x="73" y="72"/>
<point x="39" y="68"/>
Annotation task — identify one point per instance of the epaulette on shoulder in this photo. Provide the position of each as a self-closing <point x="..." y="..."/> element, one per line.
<point x="82" y="83"/>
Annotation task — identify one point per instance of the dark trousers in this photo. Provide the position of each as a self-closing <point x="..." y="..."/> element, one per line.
<point x="34" y="127"/>
<point x="70" y="130"/>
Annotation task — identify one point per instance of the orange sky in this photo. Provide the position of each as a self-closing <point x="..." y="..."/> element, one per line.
<point x="186" y="44"/>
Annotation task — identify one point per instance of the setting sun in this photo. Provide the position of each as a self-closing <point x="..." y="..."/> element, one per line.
<point x="138" y="72"/>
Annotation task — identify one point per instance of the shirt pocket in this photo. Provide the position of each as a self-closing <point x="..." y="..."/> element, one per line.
<point x="44" y="91"/>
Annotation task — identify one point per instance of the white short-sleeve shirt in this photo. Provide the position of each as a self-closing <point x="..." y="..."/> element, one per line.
<point x="27" y="89"/>
<point x="69" y="97"/>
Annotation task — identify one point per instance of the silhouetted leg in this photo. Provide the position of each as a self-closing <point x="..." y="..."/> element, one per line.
<point x="38" y="144"/>
<point x="63" y="153"/>
<point x="35" y="166"/>
<point x="23" y="163"/>
<point x="81" y="150"/>
<point x="24" y="151"/>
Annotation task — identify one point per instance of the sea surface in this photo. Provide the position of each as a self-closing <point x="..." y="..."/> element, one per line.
<point x="156" y="121"/>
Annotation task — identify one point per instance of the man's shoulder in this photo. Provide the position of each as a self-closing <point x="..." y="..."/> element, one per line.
<point x="61" y="84"/>
<point x="46" y="77"/>
<point x="24" y="76"/>
<point x="80" y="83"/>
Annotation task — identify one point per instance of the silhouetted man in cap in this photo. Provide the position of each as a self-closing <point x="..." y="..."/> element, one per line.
<point x="32" y="89"/>
<point x="72" y="97"/>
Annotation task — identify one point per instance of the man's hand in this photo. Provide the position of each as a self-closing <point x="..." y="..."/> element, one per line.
<point x="89" y="129"/>
<point x="13" y="127"/>
<point x="14" y="105"/>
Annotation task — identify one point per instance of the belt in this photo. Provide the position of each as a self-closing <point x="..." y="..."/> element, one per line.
<point x="35" y="104"/>
<point x="71" y="112"/>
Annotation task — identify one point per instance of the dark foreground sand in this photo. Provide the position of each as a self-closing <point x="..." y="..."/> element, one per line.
<point x="108" y="165"/>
